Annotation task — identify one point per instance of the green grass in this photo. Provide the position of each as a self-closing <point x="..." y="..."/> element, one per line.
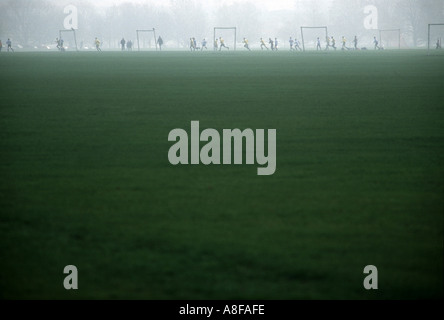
<point x="85" y="177"/>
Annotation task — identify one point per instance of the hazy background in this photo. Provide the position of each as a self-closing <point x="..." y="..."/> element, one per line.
<point x="35" y="23"/>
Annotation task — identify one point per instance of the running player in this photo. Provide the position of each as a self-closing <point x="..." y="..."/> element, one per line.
<point x="245" y="41"/>
<point x="216" y="46"/>
<point x="263" y="45"/>
<point x="204" y="44"/>
<point x="97" y="43"/>
<point x="291" y="43"/>
<point x="376" y="42"/>
<point x="344" y="42"/>
<point x="222" y="44"/>
<point x="333" y="43"/>
<point x="297" y="45"/>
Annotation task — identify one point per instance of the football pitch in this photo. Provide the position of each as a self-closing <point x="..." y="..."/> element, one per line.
<point x="85" y="178"/>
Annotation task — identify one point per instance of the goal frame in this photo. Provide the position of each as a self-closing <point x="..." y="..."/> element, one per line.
<point x="428" y="35"/>
<point x="226" y="28"/>
<point x="390" y="30"/>
<point x="153" y="30"/>
<point x="302" y="33"/>
<point x="74" y="33"/>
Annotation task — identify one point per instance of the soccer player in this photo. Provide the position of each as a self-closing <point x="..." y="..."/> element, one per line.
<point x="122" y="43"/>
<point x="62" y="48"/>
<point x="195" y="44"/>
<point x="160" y="42"/>
<point x="296" y="45"/>
<point x="192" y="45"/>
<point x="129" y="45"/>
<point x="245" y="41"/>
<point x="318" y="44"/>
<point x="204" y="44"/>
<point x="216" y="46"/>
<point x="97" y="43"/>
<point x="263" y="45"/>
<point x="328" y="42"/>
<point x="355" y="42"/>
<point x="1" y="45"/>
<point x="344" y="42"/>
<point x="438" y="44"/>
<point x="9" y="44"/>
<point x="58" y="43"/>
<point x="377" y="47"/>
<point x="222" y="44"/>
<point x="291" y="43"/>
<point x="271" y="44"/>
<point x="275" y="44"/>
<point x="333" y="43"/>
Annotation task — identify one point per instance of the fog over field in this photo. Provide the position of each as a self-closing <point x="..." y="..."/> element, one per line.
<point x="35" y="24"/>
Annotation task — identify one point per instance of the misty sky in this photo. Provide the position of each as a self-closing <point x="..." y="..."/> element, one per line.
<point x="36" y="22"/>
<point x="268" y="4"/>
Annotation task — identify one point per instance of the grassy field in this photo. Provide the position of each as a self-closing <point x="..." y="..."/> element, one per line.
<point x="85" y="178"/>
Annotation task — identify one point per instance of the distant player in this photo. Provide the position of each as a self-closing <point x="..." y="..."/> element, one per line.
<point x="291" y="41"/>
<point x="216" y="45"/>
<point x="271" y="42"/>
<point x="160" y="42"/>
<point x="1" y="45"/>
<point x="195" y="44"/>
<point x="344" y="44"/>
<point x="263" y="45"/>
<point x="245" y="41"/>
<point x="9" y="44"/>
<point x="192" y="48"/>
<point x="129" y="45"/>
<point x="62" y="48"/>
<point x="438" y="44"/>
<point x="376" y="43"/>
<point x="204" y="44"/>
<point x="297" y="45"/>
<point x="355" y="43"/>
<point x="122" y="43"/>
<point x="333" y="43"/>
<point x="58" y="43"/>
<point x="222" y="44"/>
<point x="276" y="44"/>
<point x="97" y="43"/>
<point x="327" y="39"/>
<point x="318" y="44"/>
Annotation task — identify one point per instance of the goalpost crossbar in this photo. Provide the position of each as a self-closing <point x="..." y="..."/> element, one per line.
<point x="390" y="30"/>
<point x="428" y="36"/>
<point x="226" y="28"/>
<point x="302" y="33"/>
<point x="153" y="30"/>
<point x="74" y="33"/>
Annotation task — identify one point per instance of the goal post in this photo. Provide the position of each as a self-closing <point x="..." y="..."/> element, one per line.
<point x="153" y="30"/>
<point x="429" y="36"/>
<point x="226" y="28"/>
<point x="397" y="31"/>
<point x="302" y="34"/>
<point x="74" y="34"/>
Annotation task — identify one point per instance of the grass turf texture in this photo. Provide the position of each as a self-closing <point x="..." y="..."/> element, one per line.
<point x="85" y="178"/>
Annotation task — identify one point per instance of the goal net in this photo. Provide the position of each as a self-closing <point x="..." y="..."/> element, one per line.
<point x="69" y="39"/>
<point x="390" y="38"/>
<point x="435" y="37"/>
<point x="146" y="39"/>
<point x="228" y="34"/>
<point x="310" y="35"/>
